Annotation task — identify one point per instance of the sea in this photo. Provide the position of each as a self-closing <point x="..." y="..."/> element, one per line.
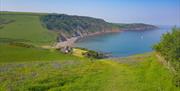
<point x="125" y="43"/>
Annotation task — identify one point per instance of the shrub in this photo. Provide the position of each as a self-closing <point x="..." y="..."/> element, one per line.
<point x="94" y="54"/>
<point x="169" y="48"/>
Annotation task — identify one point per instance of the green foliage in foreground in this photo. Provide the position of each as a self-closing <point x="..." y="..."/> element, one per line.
<point x="25" y="27"/>
<point x="169" y="48"/>
<point x="139" y="73"/>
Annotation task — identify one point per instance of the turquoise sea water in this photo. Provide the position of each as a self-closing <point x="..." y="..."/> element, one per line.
<point x="124" y="43"/>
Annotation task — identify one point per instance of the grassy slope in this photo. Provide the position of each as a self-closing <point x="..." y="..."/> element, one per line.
<point x="11" y="53"/>
<point x="26" y="26"/>
<point x="140" y="73"/>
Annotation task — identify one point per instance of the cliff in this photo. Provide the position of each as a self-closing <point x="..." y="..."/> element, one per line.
<point x="68" y="26"/>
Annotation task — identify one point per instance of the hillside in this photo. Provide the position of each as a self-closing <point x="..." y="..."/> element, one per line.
<point x="136" y="73"/>
<point x="68" y="26"/>
<point x="137" y="27"/>
<point x="16" y="53"/>
<point x="24" y="27"/>
<point x="72" y="26"/>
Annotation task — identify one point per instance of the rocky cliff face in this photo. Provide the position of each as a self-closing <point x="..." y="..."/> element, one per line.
<point x="68" y="26"/>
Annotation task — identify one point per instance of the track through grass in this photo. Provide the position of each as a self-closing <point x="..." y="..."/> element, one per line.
<point x="146" y="74"/>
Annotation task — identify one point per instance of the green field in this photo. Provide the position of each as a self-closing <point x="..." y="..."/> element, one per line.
<point x="138" y="73"/>
<point x="12" y="53"/>
<point x="27" y="27"/>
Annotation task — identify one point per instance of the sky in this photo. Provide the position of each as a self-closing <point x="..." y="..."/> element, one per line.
<point x="159" y="12"/>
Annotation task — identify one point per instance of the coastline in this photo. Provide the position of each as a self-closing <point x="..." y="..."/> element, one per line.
<point x="71" y="41"/>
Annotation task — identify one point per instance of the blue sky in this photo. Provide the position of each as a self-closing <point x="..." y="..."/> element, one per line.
<point x="160" y="12"/>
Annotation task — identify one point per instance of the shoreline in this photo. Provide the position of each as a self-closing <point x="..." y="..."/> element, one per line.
<point x="71" y="41"/>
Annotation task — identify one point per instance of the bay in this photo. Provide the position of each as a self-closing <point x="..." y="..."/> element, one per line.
<point x="124" y="43"/>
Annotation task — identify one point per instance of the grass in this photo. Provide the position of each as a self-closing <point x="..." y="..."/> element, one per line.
<point x="144" y="73"/>
<point x="12" y="53"/>
<point x="27" y="27"/>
